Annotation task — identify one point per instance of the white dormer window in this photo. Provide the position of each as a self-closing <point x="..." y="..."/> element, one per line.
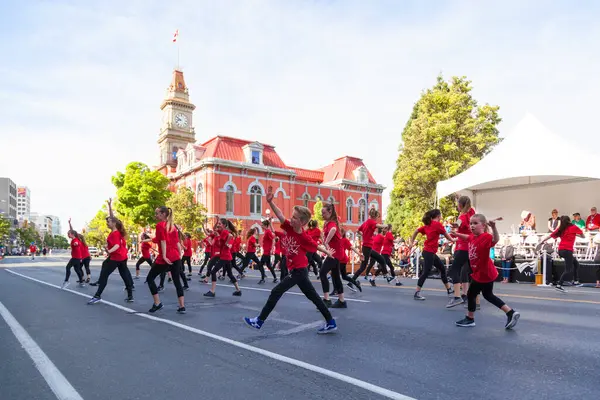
<point x="361" y="175"/>
<point x="254" y="153"/>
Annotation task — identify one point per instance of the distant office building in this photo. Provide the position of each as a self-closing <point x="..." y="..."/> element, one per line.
<point x="8" y="198"/>
<point x="23" y="203"/>
<point x="56" y="226"/>
<point x="42" y="222"/>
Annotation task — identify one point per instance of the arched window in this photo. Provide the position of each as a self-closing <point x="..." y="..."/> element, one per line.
<point x="200" y="194"/>
<point x="255" y="200"/>
<point x="331" y="199"/>
<point x="229" y="191"/>
<point x="362" y="208"/>
<point x="374" y="204"/>
<point x="305" y="199"/>
<point x="349" y="205"/>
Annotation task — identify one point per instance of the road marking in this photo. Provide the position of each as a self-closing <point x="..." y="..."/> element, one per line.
<point x="275" y="356"/>
<point x="300" y="328"/>
<point x="272" y="316"/>
<point x="294" y="293"/>
<point x="59" y="385"/>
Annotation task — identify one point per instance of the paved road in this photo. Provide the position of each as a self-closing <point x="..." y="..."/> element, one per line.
<point x="388" y="346"/>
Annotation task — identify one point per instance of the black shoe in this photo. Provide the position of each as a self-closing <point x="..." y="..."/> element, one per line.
<point x="87" y="280"/>
<point x="511" y="319"/>
<point x="189" y="279"/>
<point x="357" y="284"/>
<point x="129" y="299"/>
<point x="372" y="282"/>
<point x="466" y="322"/>
<point x="333" y="293"/>
<point x="339" y="304"/>
<point x="261" y="281"/>
<point x="399" y="284"/>
<point x="237" y="293"/>
<point x="389" y="279"/>
<point x="94" y="283"/>
<point x="275" y="280"/>
<point x="155" y="307"/>
<point x="181" y="310"/>
<point x="161" y="288"/>
<point x="170" y="280"/>
<point x="560" y="288"/>
<point x="209" y="294"/>
<point x="327" y="302"/>
<point x="186" y="288"/>
<point x="418" y="296"/>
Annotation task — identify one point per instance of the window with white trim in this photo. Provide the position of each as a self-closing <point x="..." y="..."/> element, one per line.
<point x="305" y="199"/>
<point x="229" y="192"/>
<point x="349" y="205"/>
<point x="362" y="208"/>
<point x="255" y="200"/>
<point x="200" y="194"/>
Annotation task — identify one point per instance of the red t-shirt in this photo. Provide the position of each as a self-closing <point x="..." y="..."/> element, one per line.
<point x="172" y="239"/>
<point x="482" y="265"/>
<point x="251" y="245"/>
<point x="315" y="234"/>
<point x="592" y="223"/>
<point x="335" y="242"/>
<point x="377" y="242"/>
<point x="225" y="238"/>
<point x="115" y="238"/>
<point x="237" y="244"/>
<point x="188" y="247"/>
<point x="267" y="243"/>
<point x="215" y="249"/>
<point x="567" y="239"/>
<point x="367" y="229"/>
<point x="76" y="248"/>
<point x="207" y="246"/>
<point x="432" y="232"/>
<point x="388" y="244"/>
<point x="85" y="251"/>
<point x="464" y="227"/>
<point x="296" y="245"/>
<point x="345" y="245"/>
<point x="32" y="249"/>
<point x="146" y="250"/>
<point x="280" y="235"/>
<point x="277" y="245"/>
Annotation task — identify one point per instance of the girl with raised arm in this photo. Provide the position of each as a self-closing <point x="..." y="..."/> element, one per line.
<point x="297" y="243"/>
<point x="85" y="255"/>
<point x="366" y="230"/>
<point x="75" y="260"/>
<point x="267" y="247"/>
<point x="250" y="249"/>
<point x="460" y="269"/>
<point x="226" y="231"/>
<point x="333" y="242"/>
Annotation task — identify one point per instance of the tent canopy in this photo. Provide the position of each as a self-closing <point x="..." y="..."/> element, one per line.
<point x="529" y="155"/>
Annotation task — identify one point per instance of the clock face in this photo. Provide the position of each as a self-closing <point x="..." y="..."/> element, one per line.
<point x="181" y="120"/>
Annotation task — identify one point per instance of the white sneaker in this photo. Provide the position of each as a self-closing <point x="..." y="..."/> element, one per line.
<point x="65" y="285"/>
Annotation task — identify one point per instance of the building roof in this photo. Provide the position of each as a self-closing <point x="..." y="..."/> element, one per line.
<point x="343" y="168"/>
<point x="229" y="148"/>
<point x="309" y="175"/>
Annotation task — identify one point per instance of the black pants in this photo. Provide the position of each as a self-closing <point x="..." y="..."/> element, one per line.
<point x="388" y="262"/>
<point x="297" y="276"/>
<point x="315" y="261"/>
<point x="460" y="268"/>
<point x="108" y="267"/>
<point x="333" y="265"/>
<point x="376" y="257"/>
<point x="158" y="269"/>
<point x="75" y="263"/>
<point x="140" y="261"/>
<point x="226" y="266"/>
<point x="363" y="264"/>
<point x="188" y="260"/>
<point x="431" y="260"/>
<point x="182" y="273"/>
<point x="266" y="260"/>
<point x="86" y="264"/>
<point x="571" y="266"/>
<point x="283" y="268"/>
<point x="212" y="264"/>
<point x="487" y="290"/>
<point x="205" y="262"/>
<point x="344" y="274"/>
<point x="249" y="257"/>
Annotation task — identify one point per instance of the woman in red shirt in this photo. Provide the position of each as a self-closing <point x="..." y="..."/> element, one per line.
<point x="432" y="229"/>
<point x="75" y="260"/>
<point x="346" y="245"/>
<point x="224" y="228"/>
<point x="484" y="271"/>
<point x="168" y="259"/>
<point x="267" y="247"/>
<point x="280" y="255"/>
<point x="314" y="259"/>
<point x="145" y="247"/>
<point x="85" y="255"/>
<point x="366" y="230"/>
<point x="297" y="243"/>
<point x="250" y="249"/>
<point x="386" y="252"/>
<point x="332" y="241"/>
<point x="461" y="269"/>
<point x="188" y="251"/>
<point x="117" y="259"/>
<point x="376" y="256"/>
<point x="567" y="232"/>
<point x="207" y="251"/>
<point x="237" y="255"/>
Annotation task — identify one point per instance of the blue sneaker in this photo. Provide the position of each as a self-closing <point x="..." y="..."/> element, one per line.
<point x="94" y="300"/>
<point x="329" y="327"/>
<point x="253" y="322"/>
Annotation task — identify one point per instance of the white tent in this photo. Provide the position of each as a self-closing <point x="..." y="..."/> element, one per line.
<point x="532" y="169"/>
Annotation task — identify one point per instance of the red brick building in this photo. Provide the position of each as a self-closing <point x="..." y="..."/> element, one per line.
<point x="230" y="176"/>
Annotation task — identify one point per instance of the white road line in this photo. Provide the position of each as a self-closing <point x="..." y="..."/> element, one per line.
<point x="59" y="385"/>
<point x="300" y="328"/>
<point x="275" y="356"/>
<point x="294" y="293"/>
<point x="271" y="316"/>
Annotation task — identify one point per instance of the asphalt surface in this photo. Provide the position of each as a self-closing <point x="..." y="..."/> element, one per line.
<point x="385" y="339"/>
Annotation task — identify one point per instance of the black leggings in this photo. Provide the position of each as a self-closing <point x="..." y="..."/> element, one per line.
<point x="431" y="260"/>
<point x="283" y="268"/>
<point x="158" y="269"/>
<point x="460" y="268"/>
<point x="75" y="263"/>
<point x="250" y="257"/>
<point x="226" y="266"/>
<point x="140" y="261"/>
<point x="205" y="262"/>
<point x="188" y="260"/>
<point x="366" y="251"/>
<point x="333" y="265"/>
<point x="297" y="276"/>
<point x="266" y="260"/>
<point x="487" y="290"/>
<point x="571" y="266"/>
<point x="344" y="274"/>
<point x="388" y="262"/>
<point x="315" y="261"/>
<point x="86" y="264"/>
<point x="108" y="267"/>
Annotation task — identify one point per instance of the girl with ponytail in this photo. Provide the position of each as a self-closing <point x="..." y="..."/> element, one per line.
<point x="332" y="240"/>
<point x="224" y="228"/>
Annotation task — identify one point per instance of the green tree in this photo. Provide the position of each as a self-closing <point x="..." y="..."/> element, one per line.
<point x="4" y="226"/>
<point x="188" y="214"/>
<point x="446" y="133"/>
<point x="61" y="242"/>
<point x="140" y="191"/>
<point x="317" y="213"/>
<point x="48" y="240"/>
<point x="28" y="234"/>
<point x="97" y="231"/>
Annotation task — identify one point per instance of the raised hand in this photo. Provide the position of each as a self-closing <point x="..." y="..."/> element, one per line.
<point x="270" y="194"/>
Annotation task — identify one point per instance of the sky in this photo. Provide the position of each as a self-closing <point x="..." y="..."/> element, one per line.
<point x="81" y="82"/>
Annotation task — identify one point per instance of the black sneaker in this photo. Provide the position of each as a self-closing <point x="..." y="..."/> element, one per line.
<point x="186" y="288"/>
<point x="560" y="288"/>
<point x="399" y="283"/>
<point x="181" y="310"/>
<point x="351" y="287"/>
<point x="389" y="279"/>
<point x="372" y="282"/>
<point x="275" y="280"/>
<point x="155" y="308"/>
<point x="511" y="319"/>
<point x="170" y="280"/>
<point x="261" y="281"/>
<point x="94" y="283"/>
<point x="418" y="296"/>
<point x="129" y="299"/>
<point x="455" y="302"/>
<point x="209" y="294"/>
<point x="237" y="293"/>
<point x="327" y="302"/>
<point x="450" y="292"/>
<point x="466" y="322"/>
<point x="358" y="286"/>
<point x="333" y="293"/>
<point x="339" y="304"/>
<point x="161" y="288"/>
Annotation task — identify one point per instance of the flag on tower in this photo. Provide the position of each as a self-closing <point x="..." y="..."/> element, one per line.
<point x="175" y="35"/>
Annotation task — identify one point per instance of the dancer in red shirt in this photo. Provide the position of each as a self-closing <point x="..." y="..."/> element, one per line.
<point x="224" y="228"/>
<point x="297" y="243"/>
<point x="314" y="259"/>
<point x="386" y="252"/>
<point x="332" y="240"/>
<point x="432" y="229"/>
<point x="346" y="246"/>
<point x="280" y="255"/>
<point x="366" y="230"/>
<point x="32" y="250"/>
<point x="484" y="271"/>
<point x="567" y="232"/>
<point x="267" y="247"/>
<point x="207" y="251"/>
<point x="188" y="251"/>
<point x="250" y="249"/>
<point x="75" y="260"/>
<point x="145" y="248"/>
<point x="85" y="255"/>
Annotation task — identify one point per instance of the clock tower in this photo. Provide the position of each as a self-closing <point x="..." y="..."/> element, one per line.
<point x="177" y="129"/>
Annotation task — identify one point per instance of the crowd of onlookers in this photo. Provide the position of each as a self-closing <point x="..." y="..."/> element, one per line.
<point x="591" y="223"/>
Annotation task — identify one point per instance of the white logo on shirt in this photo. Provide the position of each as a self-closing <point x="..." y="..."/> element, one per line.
<point x="472" y="253"/>
<point x="290" y="245"/>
